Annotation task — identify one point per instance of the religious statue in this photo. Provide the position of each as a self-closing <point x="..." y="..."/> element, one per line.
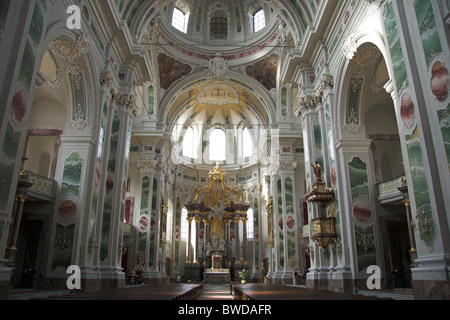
<point x="317" y="170"/>
<point x="217" y="228"/>
<point x="163" y="226"/>
<point x="218" y="66"/>
<point x="269" y="208"/>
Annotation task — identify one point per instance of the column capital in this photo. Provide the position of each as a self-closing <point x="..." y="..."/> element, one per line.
<point x="127" y="103"/>
<point x="21" y="197"/>
<point x="111" y="88"/>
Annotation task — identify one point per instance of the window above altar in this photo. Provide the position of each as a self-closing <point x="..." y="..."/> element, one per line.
<point x="217" y="145"/>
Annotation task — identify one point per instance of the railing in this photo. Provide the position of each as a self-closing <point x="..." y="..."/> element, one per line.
<point x="305" y="230"/>
<point x="43" y="188"/>
<point x="388" y="192"/>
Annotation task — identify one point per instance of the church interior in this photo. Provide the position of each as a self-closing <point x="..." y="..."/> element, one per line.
<point x="299" y="144"/>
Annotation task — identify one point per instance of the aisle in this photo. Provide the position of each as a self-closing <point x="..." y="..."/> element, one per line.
<point x="216" y="292"/>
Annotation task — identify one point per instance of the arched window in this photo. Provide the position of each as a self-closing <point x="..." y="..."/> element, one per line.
<point x="189" y="146"/>
<point x="250" y="227"/>
<point x="180" y="20"/>
<point x="247" y="145"/>
<point x="217" y="145"/>
<point x="259" y="20"/>
<point x="219" y="26"/>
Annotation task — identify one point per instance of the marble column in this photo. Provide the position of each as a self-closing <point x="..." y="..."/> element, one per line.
<point x="197" y="220"/>
<point x="188" y="243"/>
<point x="238" y="241"/>
<point x="244" y="239"/>
<point x="227" y="239"/>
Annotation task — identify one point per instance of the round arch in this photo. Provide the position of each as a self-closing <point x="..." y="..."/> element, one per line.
<point x="177" y="97"/>
<point x="58" y="30"/>
<point x="343" y="76"/>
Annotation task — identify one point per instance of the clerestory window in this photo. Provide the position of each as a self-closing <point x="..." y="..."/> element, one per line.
<point x="259" y="20"/>
<point x="180" y="20"/>
<point x="217" y="145"/>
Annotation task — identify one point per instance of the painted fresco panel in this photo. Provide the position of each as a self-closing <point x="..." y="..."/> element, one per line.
<point x="291" y="240"/>
<point x="359" y="182"/>
<point x="70" y="184"/>
<point x="4" y="9"/>
<point x="151" y="101"/>
<point x="280" y="198"/>
<point x="284" y="101"/>
<point x="289" y="196"/>
<point x="318" y="143"/>
<point x="395" y="47"/>
<point x="106" y="223"/>
<point x="63" y="246"/>
<point x="444" y="122"/>
<point x="428" y="29"/>
<point x="114" y="143"/>
<point x="32" y="44"/>
<point x="421" y="191"/>
<point x="365" y="248"/>
<point x="8" y="154"/>
<point x="281" y="248"/>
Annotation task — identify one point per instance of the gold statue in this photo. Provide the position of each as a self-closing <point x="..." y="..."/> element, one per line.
<point x="271" y="240"/>
<point x="217" y="228"/>
<point x="317" y="170"/>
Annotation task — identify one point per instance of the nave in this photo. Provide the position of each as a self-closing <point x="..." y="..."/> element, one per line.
<point x="204" y="292"/>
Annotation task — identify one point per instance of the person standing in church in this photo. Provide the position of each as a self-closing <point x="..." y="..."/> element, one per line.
<point x="294" y="277"/>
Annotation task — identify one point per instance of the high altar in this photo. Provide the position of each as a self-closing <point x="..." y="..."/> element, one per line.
<point x="220" y="205"/>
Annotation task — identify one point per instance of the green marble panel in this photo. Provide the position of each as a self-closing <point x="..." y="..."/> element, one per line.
<point x="284" y="101"/>
<point x="428" y="29"/>
<point x="359" y="182"/>
<point x="4" y="9"/>
<point x="281" y="248"/>
<point x="444" y="122"/>
<point x="32" y="44"/>
<point x="318" y="143"/>
<point x="7" y="164"/>
<point x="398" y="63"/>
<point x="420" y="189"/>
<point x="114" y="144"/>
<point x="70" y="184"/>
<point x="289" y="196"/>
<point x="280" y="198"/>
<point x="106" y="227"/>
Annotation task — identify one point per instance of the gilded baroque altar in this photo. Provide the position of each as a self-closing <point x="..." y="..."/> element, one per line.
<point x="217" y="205"/>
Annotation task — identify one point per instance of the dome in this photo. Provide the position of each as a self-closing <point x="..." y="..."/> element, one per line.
<point x="213" y="25"/>
<point x="198" y="29"/>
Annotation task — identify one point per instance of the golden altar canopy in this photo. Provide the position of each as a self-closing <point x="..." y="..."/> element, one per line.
<point x="218" y="203"/>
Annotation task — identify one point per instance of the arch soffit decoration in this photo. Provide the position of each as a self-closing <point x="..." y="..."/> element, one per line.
<point x="342" y="80"/>
<point x="170" y="107"/>
<point x="58" y="30"/>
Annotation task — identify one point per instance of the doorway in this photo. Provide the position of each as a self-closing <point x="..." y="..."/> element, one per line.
<point x="27" y="259"/>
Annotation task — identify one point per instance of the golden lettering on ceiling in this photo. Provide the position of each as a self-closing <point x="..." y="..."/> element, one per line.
<point x="218" y="96"/>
